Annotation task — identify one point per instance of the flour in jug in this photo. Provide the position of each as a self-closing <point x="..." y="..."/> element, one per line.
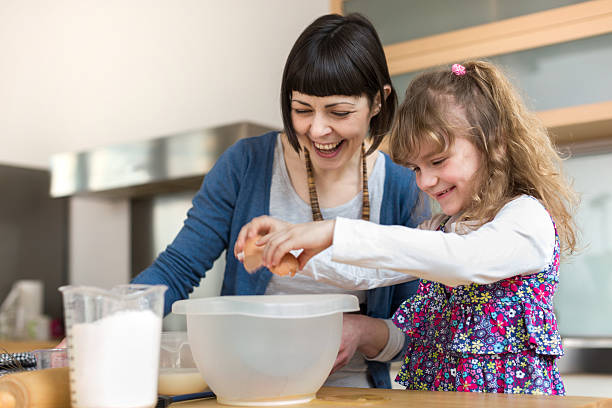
<point x="114" y="360"/>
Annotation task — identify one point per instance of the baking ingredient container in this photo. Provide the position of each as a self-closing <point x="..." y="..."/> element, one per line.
<point x="178" y="373"/>
<point x="113" y="341"/>
<point x="265" y="350"/>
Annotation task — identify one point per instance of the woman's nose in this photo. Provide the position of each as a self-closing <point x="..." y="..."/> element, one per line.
<point x="319" y="126"/>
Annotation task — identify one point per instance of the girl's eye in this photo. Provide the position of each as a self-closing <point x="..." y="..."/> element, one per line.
<point x="415" y="169"/>
<point x="438" y="161"/>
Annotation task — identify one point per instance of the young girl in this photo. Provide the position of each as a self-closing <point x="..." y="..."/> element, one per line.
<point x="482" y="319"/>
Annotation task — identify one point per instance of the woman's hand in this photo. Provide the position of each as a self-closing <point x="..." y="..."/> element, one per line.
<point x="257" y="226"/>
<point x="359" y="332"/>
<point x="312" y="237"/>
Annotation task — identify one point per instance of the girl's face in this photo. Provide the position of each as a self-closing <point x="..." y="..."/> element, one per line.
<point x="332" y="127"/>
<point x="449" y="177"/>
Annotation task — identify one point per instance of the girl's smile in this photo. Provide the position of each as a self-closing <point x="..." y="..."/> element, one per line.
<point x="444" y="193"/>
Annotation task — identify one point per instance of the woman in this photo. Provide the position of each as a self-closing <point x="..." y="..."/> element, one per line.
<point x="335" y="90"/>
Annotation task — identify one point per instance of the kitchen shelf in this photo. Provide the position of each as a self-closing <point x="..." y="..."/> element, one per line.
<point x="590" y="123"/>
<point x="530" y="31"/>
<point x="335" y="6"/>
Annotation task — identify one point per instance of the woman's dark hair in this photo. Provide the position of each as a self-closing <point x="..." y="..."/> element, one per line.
<point x="339" y="55"/>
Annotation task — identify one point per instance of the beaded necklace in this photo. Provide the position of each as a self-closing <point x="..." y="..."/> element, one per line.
<point x="312" y="190"/>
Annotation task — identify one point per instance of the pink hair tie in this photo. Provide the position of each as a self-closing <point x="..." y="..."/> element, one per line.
<point x="458" y="69"/>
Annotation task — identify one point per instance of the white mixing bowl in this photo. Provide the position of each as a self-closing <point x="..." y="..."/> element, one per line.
<point x="265" y="350"/>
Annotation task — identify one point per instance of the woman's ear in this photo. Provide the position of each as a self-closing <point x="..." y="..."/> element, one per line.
<point x="387" y="89"/>
<point x="376" y="104"/>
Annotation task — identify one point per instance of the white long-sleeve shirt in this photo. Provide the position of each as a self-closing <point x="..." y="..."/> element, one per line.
<point x="322" y="268"/>
<point x="518" y="241"/>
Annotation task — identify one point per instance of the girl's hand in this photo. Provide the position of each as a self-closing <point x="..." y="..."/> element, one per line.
<point x="312" y="237"/>
<point x="257" y="226"/>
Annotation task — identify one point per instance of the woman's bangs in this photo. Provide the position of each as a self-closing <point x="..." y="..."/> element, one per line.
<point x="327" y="75"/>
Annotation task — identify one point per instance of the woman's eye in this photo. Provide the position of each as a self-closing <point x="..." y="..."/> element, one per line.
<point x="301" y="111"/>
<point x="340" y="114"/>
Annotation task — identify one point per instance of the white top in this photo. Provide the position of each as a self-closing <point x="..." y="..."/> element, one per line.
<point x="520" y="240"/>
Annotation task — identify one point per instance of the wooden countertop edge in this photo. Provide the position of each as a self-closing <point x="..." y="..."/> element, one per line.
<point x="336" y="397"/>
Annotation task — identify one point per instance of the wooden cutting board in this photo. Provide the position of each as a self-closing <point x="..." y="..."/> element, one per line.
<point x="333" y="397"/>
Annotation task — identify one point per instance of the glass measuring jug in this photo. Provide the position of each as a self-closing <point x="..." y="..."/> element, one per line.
<point x="113" y="341"/>
<point x="178" y="373"/>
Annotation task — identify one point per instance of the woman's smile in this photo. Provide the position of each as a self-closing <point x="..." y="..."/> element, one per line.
<point x="328" y="150"/>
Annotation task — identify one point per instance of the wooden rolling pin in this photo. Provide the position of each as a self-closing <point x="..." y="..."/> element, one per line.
<point x="47" y="388"/>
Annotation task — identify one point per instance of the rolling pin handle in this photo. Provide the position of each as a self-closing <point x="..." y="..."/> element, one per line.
<point x="7" y="400"/>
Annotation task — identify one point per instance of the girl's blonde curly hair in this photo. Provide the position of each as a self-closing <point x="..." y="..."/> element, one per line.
<point x="518" y="155"/>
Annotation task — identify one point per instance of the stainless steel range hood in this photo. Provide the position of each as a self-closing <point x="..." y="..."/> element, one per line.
<point x="165" y="164"/>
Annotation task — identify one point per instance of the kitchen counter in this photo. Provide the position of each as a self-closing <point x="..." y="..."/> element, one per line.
<point x="332" y="397"/>
<point x="10" y="346"/>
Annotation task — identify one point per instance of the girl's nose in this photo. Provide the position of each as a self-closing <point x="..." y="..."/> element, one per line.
<point x="319" y="126"/>
<point x="426" y="179"/>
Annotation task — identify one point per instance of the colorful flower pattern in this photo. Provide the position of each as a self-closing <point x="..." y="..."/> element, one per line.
<point x="499" y="337"/>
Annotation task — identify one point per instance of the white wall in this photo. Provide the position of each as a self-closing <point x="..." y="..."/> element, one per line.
<point x="76" y="74"/>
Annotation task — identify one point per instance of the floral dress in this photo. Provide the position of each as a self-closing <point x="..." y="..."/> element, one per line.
<point x="499" y="337"/>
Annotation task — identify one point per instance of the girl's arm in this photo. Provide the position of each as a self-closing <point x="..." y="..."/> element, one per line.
<point x="519" y="241"/>
<point x="322" y="268"/>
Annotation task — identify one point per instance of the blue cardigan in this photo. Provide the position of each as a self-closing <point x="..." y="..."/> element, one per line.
<point x="236" y="190"/>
